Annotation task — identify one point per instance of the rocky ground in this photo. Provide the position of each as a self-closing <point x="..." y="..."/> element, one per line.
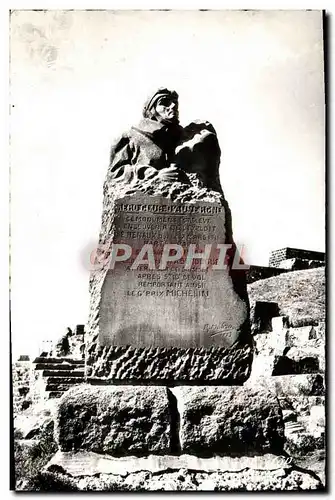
<point x="299" y="294"/>
<point x="294" y="361"/>
<point x="184" y="480"/>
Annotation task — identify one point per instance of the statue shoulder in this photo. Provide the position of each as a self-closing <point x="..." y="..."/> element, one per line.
<point x="122" y="141"/>
<point x="198" y="127"/>
<point x="198" y="153"/>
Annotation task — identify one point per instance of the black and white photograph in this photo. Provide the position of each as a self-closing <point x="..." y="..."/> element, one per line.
<point x="167" y="250"/>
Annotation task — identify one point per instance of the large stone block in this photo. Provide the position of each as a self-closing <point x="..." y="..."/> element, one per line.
<point x="262" y="366"/>
<point x="158" y="313"/>
<point x="114" y="420"/>
<point x="229" y="420"/>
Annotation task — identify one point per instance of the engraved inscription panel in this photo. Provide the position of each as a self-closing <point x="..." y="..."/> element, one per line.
<point x="167" y="285"/>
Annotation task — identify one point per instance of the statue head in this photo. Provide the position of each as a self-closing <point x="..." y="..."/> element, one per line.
<point x="162" y="106"/>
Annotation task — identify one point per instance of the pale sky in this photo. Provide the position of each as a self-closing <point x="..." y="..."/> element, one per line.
<point x="78" y="79"/>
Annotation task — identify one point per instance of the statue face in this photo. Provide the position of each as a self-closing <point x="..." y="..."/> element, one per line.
<point x="167" y="110"/>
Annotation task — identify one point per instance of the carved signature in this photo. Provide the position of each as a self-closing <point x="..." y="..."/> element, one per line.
<point x="217" y="328"/>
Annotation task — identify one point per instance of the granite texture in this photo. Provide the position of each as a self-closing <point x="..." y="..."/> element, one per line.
<point x="114" y="420"/>
<point x="227" y="366"/>
<point x="229" y="420"/>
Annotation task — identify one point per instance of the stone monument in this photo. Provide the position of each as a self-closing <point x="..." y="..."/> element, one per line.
<point x="169" y="309"/>
<point x="168" y="292"/>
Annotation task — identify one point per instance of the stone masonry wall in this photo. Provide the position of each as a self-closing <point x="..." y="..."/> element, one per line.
<point x="277" y="256"/>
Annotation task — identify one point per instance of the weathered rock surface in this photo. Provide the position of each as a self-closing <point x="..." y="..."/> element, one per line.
<point x="229" y="366"/>
<point x="300" y="295"/>
<point x="114" y="420"/>
<point x="229" y="420"/>
<point x="281" y="338"/>
<point x="35" y="421"/>
<point x="298" y="385"/>
<point x="276" y="354"/>
<point x="290" y="359"/>
<point x="291" y="387"/>
<point x="315" y="462"/>
<point x="299" y="442"/>
<point x="305" y="335"/>
<point x="56" y="479"/>
<point x="90" y="464"/>
<point x="301" y="404"/>
<point x="21" y="384"/>
<point x="307" y="433"/>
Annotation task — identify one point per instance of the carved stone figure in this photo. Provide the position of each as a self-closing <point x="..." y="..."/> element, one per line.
<point x="159" y="150"/>
<point x="147" y="150"/>
<point x="138" y="328"/>
<point x="159" y="157"/>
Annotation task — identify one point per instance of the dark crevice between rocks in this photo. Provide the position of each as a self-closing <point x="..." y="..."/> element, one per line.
<point x="168" y="382"/>
<point x="318" y="386"/>
<point x="310" y="473"/>
<point x="174" y="423"/>
<point x="283" y="365"/>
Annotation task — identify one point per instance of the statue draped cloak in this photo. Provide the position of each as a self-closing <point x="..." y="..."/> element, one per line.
<point x="143" y="151"/>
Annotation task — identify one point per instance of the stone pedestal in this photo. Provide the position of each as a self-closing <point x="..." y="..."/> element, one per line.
<point x="135" y="438"/>
<point x="203" y="421"/>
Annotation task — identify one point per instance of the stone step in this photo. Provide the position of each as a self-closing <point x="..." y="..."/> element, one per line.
<point x="289" y="416"/>
<point x="294" y="427"/>
<point x="63" y="373"/>
<point x="59" y="360"/>
<point x="64" y="380"/>
<point x="55" y="394"/>
<point x="61" y="387"/>
<point x="58" y="366"/>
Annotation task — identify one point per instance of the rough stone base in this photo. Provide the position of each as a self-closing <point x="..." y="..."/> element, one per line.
<point x="216" y="365"/>
<point x="73" y="472"/>
<point x="140" y="420"/>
